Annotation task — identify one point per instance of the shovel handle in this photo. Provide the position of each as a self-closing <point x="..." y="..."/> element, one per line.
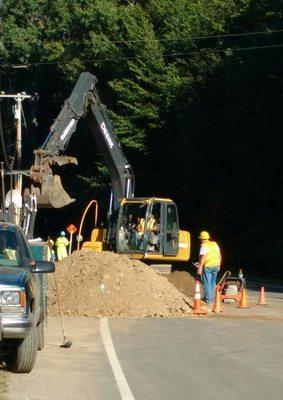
<point x="59" y="306"/>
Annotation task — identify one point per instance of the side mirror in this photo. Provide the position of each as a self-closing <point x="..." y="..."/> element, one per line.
<point x="43" y="267"/>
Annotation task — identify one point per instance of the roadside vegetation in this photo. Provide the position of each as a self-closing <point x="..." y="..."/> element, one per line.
<point x="194" y="90"/>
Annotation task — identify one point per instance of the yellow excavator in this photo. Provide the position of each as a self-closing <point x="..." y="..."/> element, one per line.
<point x="146" y="228"/>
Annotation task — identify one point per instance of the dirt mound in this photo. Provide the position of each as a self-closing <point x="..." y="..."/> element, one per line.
<point x="183" y="281"/>
<point x="108" y="284"/>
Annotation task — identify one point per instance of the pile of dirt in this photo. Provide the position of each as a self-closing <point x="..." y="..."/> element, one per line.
<point x="108" y="284"/>
<point x="183" y="281"/>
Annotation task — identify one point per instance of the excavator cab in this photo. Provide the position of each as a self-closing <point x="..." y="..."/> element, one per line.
<point x="148" y="228"/>
<point x="145" y="229"/>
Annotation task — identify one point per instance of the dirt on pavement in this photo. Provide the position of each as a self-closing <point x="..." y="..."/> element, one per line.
<point x="108" y="284"/>
<point x="3" y="387"/>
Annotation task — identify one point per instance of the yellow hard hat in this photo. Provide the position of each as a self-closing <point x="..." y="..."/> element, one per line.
<point x="204" y="235"/>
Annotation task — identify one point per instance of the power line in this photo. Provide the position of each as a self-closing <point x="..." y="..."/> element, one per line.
<point x="177" y="39"/>
<point x="204" y="51"/>
<point x="232" y="49"/>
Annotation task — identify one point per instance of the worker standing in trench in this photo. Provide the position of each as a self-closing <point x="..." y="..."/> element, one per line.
<point x="61" y="246"/>
<point x="209" y="265"/>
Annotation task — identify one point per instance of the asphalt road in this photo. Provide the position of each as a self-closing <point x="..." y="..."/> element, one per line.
<point x="274" y="294"/>
<point x="156" y="359"/>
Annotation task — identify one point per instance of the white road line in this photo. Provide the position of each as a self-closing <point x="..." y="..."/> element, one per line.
<point x="121" y="381"/>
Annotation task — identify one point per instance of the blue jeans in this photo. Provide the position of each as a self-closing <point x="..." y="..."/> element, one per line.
<point x="209" y="275"/>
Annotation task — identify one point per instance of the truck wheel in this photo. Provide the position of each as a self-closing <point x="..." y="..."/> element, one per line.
<point x="40" y="335"/>
<point x="22" y="359"/>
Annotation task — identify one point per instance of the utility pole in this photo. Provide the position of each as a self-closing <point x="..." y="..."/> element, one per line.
<point x="18" y="98"/>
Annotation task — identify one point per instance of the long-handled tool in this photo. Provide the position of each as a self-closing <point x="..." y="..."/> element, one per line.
<point x="66" y="343"/>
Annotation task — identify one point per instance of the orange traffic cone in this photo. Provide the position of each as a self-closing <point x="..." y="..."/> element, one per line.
<point x="261" y="299"/>
<point x="243" y="301"/>
<point x="217" y="302"/>
<point x="197" y="301"/>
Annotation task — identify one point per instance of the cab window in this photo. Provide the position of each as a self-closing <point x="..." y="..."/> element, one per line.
<point x="131" y="227"/>
<point x="171" y="243"/>
<point x="172" y="221"/>
<point x="9" y="249"/>
<point x="153" y="228"/>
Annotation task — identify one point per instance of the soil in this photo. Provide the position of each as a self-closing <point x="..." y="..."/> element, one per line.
<point x="3" y="388"/>
<point x="183" y="281"/>
<point x="108" y="284"/>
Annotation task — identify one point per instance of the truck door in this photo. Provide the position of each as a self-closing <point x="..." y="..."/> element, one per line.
<point x="171" y="230"/>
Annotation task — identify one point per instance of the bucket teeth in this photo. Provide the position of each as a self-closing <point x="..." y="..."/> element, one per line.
<point x="62" y="160"/>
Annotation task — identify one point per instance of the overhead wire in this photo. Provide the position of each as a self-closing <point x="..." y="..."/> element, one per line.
<point x="204" y="37"/>
<point x="202" y="51"/>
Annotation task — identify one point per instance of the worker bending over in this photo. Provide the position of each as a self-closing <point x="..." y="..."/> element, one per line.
<point x="209" y="265"/>
<point x="61" y="246"/>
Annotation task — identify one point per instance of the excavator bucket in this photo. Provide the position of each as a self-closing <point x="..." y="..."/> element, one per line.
<point x="50" y="193"/>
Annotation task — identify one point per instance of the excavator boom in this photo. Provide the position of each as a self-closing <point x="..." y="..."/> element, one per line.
<point x="84" y="102"/>
<point x="145" y="228"/>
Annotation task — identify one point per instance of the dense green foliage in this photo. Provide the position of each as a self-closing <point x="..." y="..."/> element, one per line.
<point x="195" y="105"/>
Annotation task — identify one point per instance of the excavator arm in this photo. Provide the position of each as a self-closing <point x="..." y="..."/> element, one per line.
<point x="84" y="102"/>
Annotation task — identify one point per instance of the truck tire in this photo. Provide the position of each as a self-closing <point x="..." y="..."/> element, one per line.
<point x="22" y="359"/>
<point x="40" y="335"/>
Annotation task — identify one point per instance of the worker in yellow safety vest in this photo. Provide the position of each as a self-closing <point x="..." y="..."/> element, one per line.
<point x="209" y="265"/>
<point x="61" y="246"/>
<point x="50" y="249"/>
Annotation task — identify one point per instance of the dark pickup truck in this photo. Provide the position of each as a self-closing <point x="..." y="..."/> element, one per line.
<point x="22" y="300"/>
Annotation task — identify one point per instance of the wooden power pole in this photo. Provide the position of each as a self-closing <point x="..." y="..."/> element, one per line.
<point x="18" y="98"/>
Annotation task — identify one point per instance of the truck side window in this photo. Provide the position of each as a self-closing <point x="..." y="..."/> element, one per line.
<point x="9" y="254"/>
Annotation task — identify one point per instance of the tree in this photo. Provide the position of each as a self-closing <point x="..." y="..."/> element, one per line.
<point x="193" y="90"/>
